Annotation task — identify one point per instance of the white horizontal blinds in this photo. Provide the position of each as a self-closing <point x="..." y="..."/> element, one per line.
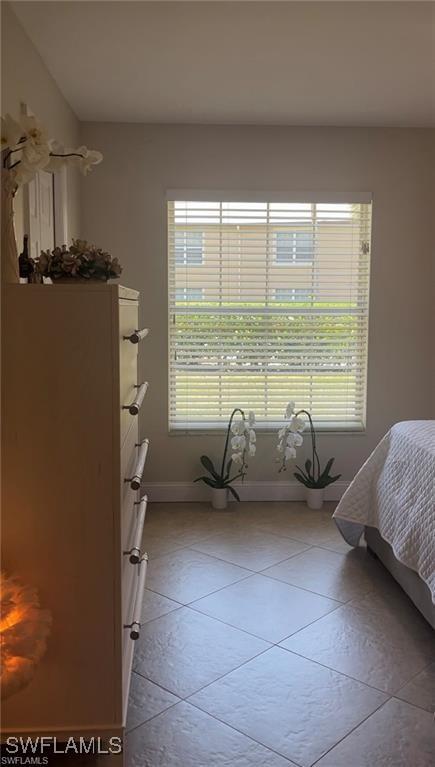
<point x="268" y="301"/>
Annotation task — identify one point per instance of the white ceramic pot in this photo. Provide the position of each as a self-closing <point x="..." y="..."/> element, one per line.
<point x="315" y="497"/>
<point x="219" y="498"/>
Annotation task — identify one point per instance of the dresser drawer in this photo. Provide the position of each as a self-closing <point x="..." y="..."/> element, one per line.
<point x="129" y="452"/>
<point x="128" y="321"/>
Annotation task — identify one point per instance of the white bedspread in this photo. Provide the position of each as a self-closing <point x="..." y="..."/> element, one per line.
<point x="394" y="491"/>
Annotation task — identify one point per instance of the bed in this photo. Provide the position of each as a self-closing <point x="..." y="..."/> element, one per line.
<point x="392" y="502"/>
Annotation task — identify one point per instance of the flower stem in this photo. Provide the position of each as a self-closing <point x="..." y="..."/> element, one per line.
<point x="315" y="456"/>
<point x="236" y="410"/>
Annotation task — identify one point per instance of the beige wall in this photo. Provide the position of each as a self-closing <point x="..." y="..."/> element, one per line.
<point x="25" y="79"/>
<point x="124" y="211"/>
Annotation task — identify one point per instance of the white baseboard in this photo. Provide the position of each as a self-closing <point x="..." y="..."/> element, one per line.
<point x="168" y="492"/>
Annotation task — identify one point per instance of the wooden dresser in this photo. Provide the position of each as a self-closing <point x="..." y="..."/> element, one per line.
<point x="72" y="461"/>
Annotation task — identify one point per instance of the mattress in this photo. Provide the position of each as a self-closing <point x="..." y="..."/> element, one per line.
<point x="394" y="492"/>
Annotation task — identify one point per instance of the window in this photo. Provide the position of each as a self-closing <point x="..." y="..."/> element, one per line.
<point x="189" y="294"/>
<point x="266" y="332"/>
<point x="188" y="248"/>
<point x="292" y="294"/>
<point x="294" y="247"/>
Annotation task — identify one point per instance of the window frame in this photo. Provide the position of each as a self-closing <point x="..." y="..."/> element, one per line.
<point x="361" y="198"/>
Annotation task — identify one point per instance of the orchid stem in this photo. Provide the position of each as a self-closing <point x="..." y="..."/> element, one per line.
<point x="236" y="410"/>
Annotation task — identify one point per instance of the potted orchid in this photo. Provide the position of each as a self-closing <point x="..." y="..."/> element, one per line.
<point x="241" y="432"/>
<point x="313" y="477"/>
<point x="26" y="149"/>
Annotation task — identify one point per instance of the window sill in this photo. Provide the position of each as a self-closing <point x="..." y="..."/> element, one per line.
<point x="201" y="431"/>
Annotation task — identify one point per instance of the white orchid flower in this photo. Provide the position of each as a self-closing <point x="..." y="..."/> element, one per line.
<point x="297" y="424"/>
<point x="34" y="130"/>
<point x="251" y="418"/>
<point x="237" y="458"/>
<point x="89" y="157"/>
<point x="252" y="449"/>
<point x="11" y="132"/>
<point x="252" y="436"/>
<point x="22" y="174"/>
<point x="35" y="156"/>
<point x="238" y="426"/>
<point x="282" y="432"/>
<point x="290" y="452"/>
<point x="290" y="409"/>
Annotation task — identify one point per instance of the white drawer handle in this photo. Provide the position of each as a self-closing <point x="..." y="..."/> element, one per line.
<point x="135" y="624"/>
<point x="135" y="406"/>
<point x="136" y="479"/>
<point x="136" y="336"/>
<point x="134" y="553"/>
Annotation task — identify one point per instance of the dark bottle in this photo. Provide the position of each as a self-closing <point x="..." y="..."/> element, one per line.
<point x="25" y="263"/>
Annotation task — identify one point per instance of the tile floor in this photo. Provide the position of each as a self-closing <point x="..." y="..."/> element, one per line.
<point x="268" y="642"/>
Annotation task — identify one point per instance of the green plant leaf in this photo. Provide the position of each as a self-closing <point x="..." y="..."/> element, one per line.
<point x="208" y="464"/>
<point x="308" y="467"/>
<point x="234" y="493"/>
<point x="330" y="480"/>
<point x="306" y="477"/>
<point x="301" y="478"/>
<point x="207" y="480"/>
<point x="327" y="469"/>
<point x="229" y="465"/>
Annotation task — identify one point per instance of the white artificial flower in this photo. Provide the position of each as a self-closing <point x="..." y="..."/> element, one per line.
<point x="251" y="418"/>
<point x="297" y="424"/>
<point x="290" y="452"/>
<point x="291" y="439"/>
<point x="57" y="149"/>
<point x="290" y="409"/>
<point x="252" y="449"/>
<point x="89" y="158"/>
<point x="35" y="156"/>
<point x="11" y="132"/>
<point x="22" y="174"/>
<point x="34" y="130"/>
<point x="237" y="458"/>
<point x="282" y="432"/>
<point x="238" y="426"/>
<point x="298" y="440"/>
<point x="252" y="436"/>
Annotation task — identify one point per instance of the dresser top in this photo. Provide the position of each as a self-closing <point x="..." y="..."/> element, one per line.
<point x="99" y="287"/>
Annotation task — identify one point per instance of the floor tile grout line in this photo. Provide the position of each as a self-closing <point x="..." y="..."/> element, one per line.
<point x="258" y="572"/>
<point x="157" y="684"/>
<point x="257" y="636"/>
<point x="186" y="604"/>
<point x="128" y="732"/>
<point x="250" y="737"/>
<point x="251" y="573"/>
<point x="294" y="586"/>
<point x="432" y="662"/>
<point x="416" y="705"/>
<point x="375" y="711"/>
<point x="221" y="676"/>
<point x="292" y="763"/>
<point x="329" y="668"/>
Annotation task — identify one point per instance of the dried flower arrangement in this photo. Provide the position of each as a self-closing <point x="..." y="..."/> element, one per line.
<point x="81" y="261"/>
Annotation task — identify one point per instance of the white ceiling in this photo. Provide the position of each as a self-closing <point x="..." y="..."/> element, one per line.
<point x="296" y="63"/>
